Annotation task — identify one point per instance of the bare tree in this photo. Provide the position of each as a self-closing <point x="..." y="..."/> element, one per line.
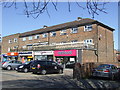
<point x="34" y="8"/>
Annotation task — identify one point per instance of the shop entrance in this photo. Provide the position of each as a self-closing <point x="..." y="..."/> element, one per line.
<point x="66" y="61"/>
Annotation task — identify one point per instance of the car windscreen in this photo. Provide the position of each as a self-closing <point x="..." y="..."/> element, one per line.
<point x="104" y="66"/>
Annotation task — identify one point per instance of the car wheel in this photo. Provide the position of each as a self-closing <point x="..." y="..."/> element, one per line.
<point x="60" y="71"/>
<point x="9" y="67"/>
<point x="25" y="70"/>
<point x="43" y="72"/>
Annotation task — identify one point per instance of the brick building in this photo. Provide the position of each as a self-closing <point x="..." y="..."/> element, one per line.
<point x="82" y="40"/>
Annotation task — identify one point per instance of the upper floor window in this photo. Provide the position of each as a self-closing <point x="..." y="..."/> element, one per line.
<point x="63" y="42"/>
<point x="74" y="30"/>
<point x="63" y="32"/>
<point x="9" y="41"/>
<point x="53" y="34"/>
<point x="88" y="27"/>
<point x="24" y="39"/>
<point x="88" y="41"/>
<point x="37" y="36"/>
<point x="15" y="39"/>
<point x="45" y="35"/>
<point x="30" y="37"/>
<point x="23" y="46"/>
<point x="74" y="41"/>
<point x="15" y="47"/>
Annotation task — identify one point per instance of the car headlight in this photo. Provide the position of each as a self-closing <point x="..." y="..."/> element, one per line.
<point x="20" y="66"/>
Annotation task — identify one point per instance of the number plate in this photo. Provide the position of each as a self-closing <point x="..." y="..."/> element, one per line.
<point x="33" y="68"/>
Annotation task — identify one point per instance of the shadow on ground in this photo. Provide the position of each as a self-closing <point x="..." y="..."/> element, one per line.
<point x="60" y="82"/>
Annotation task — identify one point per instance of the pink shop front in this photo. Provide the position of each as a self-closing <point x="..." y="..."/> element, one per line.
<point x="65" y="57"/>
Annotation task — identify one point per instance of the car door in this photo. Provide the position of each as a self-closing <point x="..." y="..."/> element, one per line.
<point x="54" y="67"/>
<point x="16" y="63"/>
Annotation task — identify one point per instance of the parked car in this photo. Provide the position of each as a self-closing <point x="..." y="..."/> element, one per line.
<point x="4" y="61"/>
<point x="25" y="67"/>
<point x="44" y="67"/>
<point x="106" y="70"/>
<point x="11" y="64"/>
<point x="70" y="65"/>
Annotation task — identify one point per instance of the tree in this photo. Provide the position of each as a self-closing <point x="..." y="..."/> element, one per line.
<point x="37" y="7"/>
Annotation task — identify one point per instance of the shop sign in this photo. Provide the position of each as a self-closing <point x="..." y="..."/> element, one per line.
<point x="65" y="53"/>
<point x="43" y="53"/>
<point x="25" y="53"/>
<point x="12" y="54"/>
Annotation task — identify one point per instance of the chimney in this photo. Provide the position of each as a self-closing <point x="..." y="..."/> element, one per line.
<point x="44" y="26"/>
<point x="79" y="18"/>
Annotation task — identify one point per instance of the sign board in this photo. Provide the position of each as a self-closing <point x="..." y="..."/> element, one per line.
<point x="43" y="53"/>
<point x="65" y="53"/>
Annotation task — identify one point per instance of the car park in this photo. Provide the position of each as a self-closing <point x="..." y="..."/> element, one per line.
<point x="106" y="70"/>
<point x="45" y="66"/>
<point x="11" y="64"/>
<point x="25" y="67"/>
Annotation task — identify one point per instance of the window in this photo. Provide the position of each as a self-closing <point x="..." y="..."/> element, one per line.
<point x="88" y="27"/>
<point x="63" y="42"/>
<point x="37" y="36"/>
<point x="24" y="39"/>
<point x="15" y="39"/>
<point x="30" y="37"/>
<point x="9" y="41"/>
<point x="63" y="32"/>
<point x="44" y="35"/>
<point x="23" y="46"/>
<point x="15" y="47"/>
<point x="74" y="30"/>
<point x="74" y="41"/>
<point x="88" y="41"/>
<point x="53" y="34"/>
<point x="8" y="49"/>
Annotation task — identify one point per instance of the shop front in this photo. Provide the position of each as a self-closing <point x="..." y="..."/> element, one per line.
<point x="46" y="55"/>
<point x="65" y="57"/>
<point x="25" y="56"/>
<point x="12" y="56"/>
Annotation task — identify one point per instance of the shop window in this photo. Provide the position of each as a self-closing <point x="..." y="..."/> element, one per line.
<point x="74" y="30"/>
<point x="63" y="32"/>
<point x="53" y="34"/>
<point x="88" y="27"/>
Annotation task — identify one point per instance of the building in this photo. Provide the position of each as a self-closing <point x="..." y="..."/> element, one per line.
<point x="82" y="40"/>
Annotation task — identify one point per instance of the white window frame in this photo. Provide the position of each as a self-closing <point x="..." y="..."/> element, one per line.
<point x="74" y="30"/>
<point x="88" y="27"/>
<point x="63" y="32"/>
<point x="15" y="39"/>
<point x="53" y="34"/>
<point x="10" y="41"/>
<point x="36" y="37"/>
<point x="89" y="41"/>
<point x="24" y="39"/>
<point x="45" y="35"/>
<point x="30" y="38"/>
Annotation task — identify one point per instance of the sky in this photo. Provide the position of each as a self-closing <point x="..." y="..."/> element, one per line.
<point x="14" y="21"/>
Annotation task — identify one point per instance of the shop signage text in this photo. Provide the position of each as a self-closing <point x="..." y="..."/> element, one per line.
<point x="65" y="53"/>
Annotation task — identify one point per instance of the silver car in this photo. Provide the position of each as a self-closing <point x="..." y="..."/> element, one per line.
<point x="11" y="64"/>
<point x="106" y="70"/>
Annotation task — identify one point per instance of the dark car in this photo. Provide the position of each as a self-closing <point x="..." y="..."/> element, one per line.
<point x="44" y="66"/>
<point x="106" y="70"/>
<point x="25" y="67"/>
<point x="70" y="65"/>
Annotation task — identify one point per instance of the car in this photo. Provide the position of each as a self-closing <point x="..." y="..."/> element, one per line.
<point x="70" y="65"/>
<point x="25" y="67"/>
<point x="11" y="64"/>
<point x="105" y="70"/>
<point x="45" y="66"/>
<point x="4" y="61"/>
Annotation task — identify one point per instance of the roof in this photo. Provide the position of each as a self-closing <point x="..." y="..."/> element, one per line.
<point x="65" y="26"/>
